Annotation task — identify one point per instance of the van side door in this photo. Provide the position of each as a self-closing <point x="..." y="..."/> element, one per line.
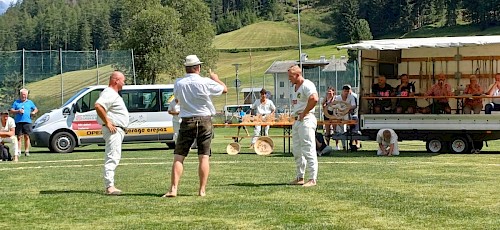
<point x="167" y="95"/>
<point x="85" y="119"/>
<point x="146" y="120"/>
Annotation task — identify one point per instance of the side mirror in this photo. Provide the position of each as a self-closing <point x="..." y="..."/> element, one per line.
<point x="75" y="108"/>
<point x="66" y="111"/>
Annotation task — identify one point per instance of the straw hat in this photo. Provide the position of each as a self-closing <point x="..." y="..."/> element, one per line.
<point x="233" y="148"/>
<point x="192" y="60"/>
<point x="264" y="146"/>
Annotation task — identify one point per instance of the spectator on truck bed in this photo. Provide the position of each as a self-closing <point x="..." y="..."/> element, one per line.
<point x="494" y="90"/>
<point x="475" y="89"/>
<point x="405" y="89"/>
<point x="382" y="89"/>
<point x="441" y="88"/>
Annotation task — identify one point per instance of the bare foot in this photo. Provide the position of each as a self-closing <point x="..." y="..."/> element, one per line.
<point x="310" y="183"/>
<point x="202" y="193"/>
<point x="171" y="193"/>
<point x="113" y="191"/>
<point x="297" y="181"/>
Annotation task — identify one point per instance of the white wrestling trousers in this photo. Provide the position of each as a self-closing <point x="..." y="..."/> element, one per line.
<point x="256" y="132"/>
<point x="113" y="153"/>
<point x="386" y="145"/>
<point x="13" y="140"/>
<point x="304" y="147"/>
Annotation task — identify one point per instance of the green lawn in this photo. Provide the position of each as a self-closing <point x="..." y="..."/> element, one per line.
<point x="358" y="190"/>
<point x="263" y="34"/>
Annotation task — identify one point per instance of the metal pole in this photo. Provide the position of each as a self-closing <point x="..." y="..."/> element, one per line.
<point x="133" y="67"/>
<point x="61" y="69"/>
<point x="300" y="39"/>
<point x="24" y="62"/>
<point x="236" y="82"/>
<point x="97" y="64"/>
<point x="336" y="77"/>
<point x="319" y="93"/>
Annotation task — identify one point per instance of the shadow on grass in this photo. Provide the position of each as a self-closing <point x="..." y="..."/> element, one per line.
<point x="257" y="185"/>
<point x="52" y="192"/>
<point x="365" y="153"/>
<point x="102" y="150"/>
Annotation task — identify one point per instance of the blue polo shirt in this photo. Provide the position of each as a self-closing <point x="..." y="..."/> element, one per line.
<point x="28" y="106"/>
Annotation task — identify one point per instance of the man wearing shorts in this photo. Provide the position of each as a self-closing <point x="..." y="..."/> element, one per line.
<point x="193" y="93"/>
<point x="23" y="109"/>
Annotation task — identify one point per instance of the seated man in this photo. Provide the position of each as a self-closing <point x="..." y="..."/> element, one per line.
<point x="7" y="133"/>
<point x="387" y="143"/>
<point x="475" y="104"/>
<point x="494" y="90"/>
<point x="382" y="89"/>
<point x="348" y="98"/>
<point x="405" y="89"/>
<point x="441" y="88"/>
<point x="321" y="147"/>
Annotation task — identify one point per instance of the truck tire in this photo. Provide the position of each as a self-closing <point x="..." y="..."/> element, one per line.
<point x="460" y="145"/>
<point x="63" y="142"/>
<point x="434" y="145"/>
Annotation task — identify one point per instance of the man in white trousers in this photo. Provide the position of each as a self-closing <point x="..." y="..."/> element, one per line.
<point x="305" y="98"/>
<point x="7" y="133"/>
<point x="113" y="116"/>
<point x="263" y="107"/>
<point x="387" y="143"/>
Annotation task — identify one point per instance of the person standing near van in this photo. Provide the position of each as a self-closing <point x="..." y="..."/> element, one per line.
<point x="113" y="116"/>
<point x="263" y="107"/>
<point x="304" y="128"/>
<point x="23" y="109"/>
<point x="193" y="93"/>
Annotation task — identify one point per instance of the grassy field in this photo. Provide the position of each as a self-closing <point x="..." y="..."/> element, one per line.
<point x="415" y="190"/>
<point x="263" y="34"/>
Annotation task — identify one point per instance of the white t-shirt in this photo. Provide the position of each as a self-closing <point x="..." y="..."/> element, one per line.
<point x="496" y="93"/>
<point x="264" y="109"/>
<point x="380" y="137"/>
<point x="115" y="107"/>
<point x="301" y="96"/>
<point x="8" y="125"/>
<point x="350" y="99"/>
<point x="174" y="107"/>
<point x="193" y="93"/>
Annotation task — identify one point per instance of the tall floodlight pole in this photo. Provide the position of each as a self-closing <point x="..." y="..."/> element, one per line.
<point x="237" y="82"/>
<point x="300" y="39"/>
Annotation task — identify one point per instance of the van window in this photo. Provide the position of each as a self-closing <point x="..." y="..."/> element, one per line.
<point x="141" y="100"/>
<point x="87" y="102"/>
<point x="230" y="110"/>
<point x="166" y="97"/>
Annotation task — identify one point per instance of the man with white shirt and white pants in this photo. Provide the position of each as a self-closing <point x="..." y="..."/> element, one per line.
<point x="174" y="110"/>
<point x="113" y="116"/>
<point x="347" y="97"/>
<point x="305" y="98"/>
<point x="263" y="107"/>
<point x="7" y="133"/>
<point x="193" y="95"/>
<point x="387" y="143"/>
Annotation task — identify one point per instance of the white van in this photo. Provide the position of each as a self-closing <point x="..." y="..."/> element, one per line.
<point x="231" y="110"/>
<point x="75" y="123"/>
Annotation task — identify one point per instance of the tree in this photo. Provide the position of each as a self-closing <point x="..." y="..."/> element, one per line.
<point x="154" y="34"/>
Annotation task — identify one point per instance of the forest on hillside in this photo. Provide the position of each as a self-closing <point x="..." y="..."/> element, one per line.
<point x="162" y="32"/>
<point x="101" y="24"/>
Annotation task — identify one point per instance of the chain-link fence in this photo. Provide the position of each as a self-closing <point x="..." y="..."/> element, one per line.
<point x="53" y="76"/>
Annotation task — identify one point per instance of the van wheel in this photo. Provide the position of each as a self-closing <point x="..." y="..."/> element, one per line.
<point x="63" y="142"/>
<point x="171" y="145"/>
<point x="460" y="145"/>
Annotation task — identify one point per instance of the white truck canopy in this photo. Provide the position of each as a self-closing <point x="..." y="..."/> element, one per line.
<point x="435" y="42"/>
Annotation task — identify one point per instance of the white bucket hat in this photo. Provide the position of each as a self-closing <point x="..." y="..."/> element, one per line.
<point x="192" y="60"/>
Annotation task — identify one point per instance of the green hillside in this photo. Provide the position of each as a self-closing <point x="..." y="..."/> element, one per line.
<point x="262" y="35"/>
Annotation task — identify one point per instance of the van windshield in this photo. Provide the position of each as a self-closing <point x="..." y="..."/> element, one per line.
<point x="74" y="96"/>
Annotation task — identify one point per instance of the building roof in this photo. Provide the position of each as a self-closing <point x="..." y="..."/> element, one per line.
<point x="435" y="42"/>
<point x="249" y="90"/>
<point x="329" y="65"/>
